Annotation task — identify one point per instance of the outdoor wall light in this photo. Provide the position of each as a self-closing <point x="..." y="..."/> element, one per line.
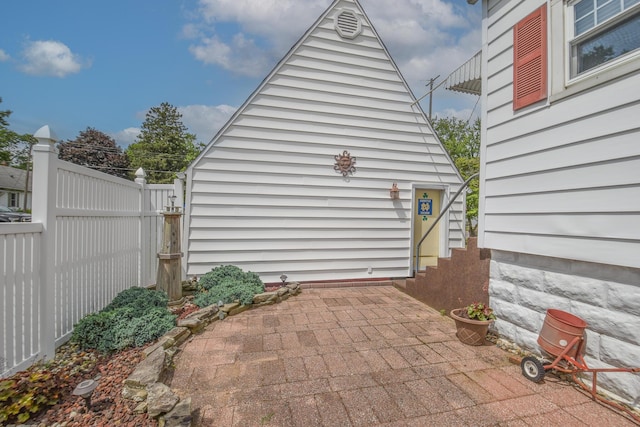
<point x="85" y="390"/>
<point x="394" y="192"/>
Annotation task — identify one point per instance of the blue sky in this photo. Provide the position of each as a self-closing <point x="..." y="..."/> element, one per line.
<point x="77" y="63"/>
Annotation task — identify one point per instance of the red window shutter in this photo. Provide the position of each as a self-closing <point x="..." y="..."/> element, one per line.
<point x="530" y="59"/>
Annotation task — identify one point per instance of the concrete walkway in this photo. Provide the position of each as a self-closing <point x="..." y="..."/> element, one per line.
<point x="364" y="357"/>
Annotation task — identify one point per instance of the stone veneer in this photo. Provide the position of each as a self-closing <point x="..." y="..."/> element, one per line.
<point x="522" y="287"/>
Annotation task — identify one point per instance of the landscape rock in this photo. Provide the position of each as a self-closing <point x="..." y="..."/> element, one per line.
<point x="148" y="371"/>
<point x="179" y="416"/>
<point x="205" y="313"/>
<point x="228" y="307"/>
<point x="160" y="399"/>
<point x="141" y="408"/>
<point x="176" y="336"/>
<point x="263" y="297"/>
<point x="135" y="394"/>
<point x="193" y="324"/>
<point x="293" y="285"/>
<point x="239" y="310"/>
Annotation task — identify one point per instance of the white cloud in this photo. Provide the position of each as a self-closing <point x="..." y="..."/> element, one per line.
<point x="464" y="114"/>
<point x="4" y="56"/>
<point x="241" y="55"/>
<point x="191" y="31"/>
<point x="266" y="30"/>
<point x="205" y="120"/>
<point x="50" y="58"/>
<point x="126" y="137"/>
<point x="280" y="21"/>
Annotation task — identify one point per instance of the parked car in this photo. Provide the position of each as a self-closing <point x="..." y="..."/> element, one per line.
<point x="8" y="215"/>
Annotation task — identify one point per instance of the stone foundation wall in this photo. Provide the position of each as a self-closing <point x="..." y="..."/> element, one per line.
<point x="522" y="287"/>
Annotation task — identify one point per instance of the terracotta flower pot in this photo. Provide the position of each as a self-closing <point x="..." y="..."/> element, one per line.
<point x="469" y="331"/>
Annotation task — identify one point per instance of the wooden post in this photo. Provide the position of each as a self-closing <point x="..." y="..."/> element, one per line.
<point x="169" y="277"/>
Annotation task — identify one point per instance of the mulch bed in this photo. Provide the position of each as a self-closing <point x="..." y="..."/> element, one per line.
<point x="71" y="366"/>
<point x="108" y="407"/>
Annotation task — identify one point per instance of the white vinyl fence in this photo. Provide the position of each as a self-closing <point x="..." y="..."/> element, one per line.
<point x="92" y="236"/>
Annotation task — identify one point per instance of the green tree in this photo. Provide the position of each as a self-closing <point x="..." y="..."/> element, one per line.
<point x="14" y="147"/>
<point x="164" y="146"/>
<point x="462" y="140"/>
<point x="95" y="150"/>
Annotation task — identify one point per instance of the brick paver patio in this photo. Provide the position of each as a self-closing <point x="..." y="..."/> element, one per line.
<point x="364" y="356"/>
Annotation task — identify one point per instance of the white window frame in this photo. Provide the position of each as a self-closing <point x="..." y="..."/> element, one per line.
<point x="561" y="45"/>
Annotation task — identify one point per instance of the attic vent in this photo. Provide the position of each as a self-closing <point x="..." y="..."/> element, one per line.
<point x="348" y="24"/>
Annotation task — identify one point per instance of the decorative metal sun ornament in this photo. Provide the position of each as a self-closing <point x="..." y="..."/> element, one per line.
<point x="345" y="164"/>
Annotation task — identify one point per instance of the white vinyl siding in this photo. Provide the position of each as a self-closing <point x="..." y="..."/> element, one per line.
<point x="563" y="179"/>
<point x="264" y="195"/>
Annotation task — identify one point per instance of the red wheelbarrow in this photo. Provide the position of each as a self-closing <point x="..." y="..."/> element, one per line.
<point x="563" y="337"/>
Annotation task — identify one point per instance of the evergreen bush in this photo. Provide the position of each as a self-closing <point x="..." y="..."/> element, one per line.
<point x="135" y="317"/>
<point x="227" y="283"/>
<point x="138" y="297"/>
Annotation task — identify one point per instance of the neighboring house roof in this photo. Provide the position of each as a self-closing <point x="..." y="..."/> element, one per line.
<point x="467" y="78"/>
<point x="13" y="178"/>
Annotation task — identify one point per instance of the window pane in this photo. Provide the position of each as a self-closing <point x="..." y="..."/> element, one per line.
<point x="584" y="16"/>
<point x="608" y="10"/>
<point x="609" y="44"/>
<point x="629" y="3"/>
<point x="584" y="24"/>
<point x="583" y="8"/>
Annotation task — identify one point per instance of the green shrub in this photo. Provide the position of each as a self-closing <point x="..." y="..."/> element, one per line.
<point x="139" y="298"/>
<point x="95" y="331"/>
<point x="135" y="317"/>
<point x="227" y="283"/>
<point x="219" y="274"/>
<point x="138" y="330"/>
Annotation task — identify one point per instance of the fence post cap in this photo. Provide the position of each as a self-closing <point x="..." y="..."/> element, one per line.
<point x="140" y="175"/>
<point x="45" y="135"/>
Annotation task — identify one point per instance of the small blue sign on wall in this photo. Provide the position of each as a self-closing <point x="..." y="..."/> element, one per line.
<point x="425" y="206"/>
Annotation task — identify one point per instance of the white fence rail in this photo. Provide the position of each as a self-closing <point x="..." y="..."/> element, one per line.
<point x="92" y="235"/>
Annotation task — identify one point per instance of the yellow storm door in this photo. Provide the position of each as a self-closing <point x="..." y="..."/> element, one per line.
<point x="425" y="212"/>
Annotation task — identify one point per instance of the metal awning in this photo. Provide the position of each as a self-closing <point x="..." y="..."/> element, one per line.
<point x="467" y="78"/>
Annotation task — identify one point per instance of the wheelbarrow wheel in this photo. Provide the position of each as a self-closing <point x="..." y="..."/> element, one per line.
<point x="532" y="369"/>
